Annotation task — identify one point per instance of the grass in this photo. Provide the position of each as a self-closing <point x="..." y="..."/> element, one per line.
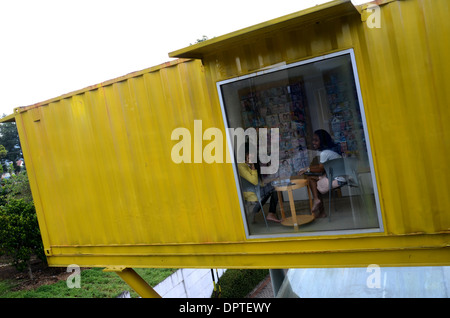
<point x="94" y="283"/>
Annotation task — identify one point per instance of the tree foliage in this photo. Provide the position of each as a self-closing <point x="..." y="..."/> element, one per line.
<point x="238" y="283"/>
<point x="20" y="237"/>
<point x="203" y="39"/>
<point x="9" y="138"/>
<point x="16" y="187"/>
<point x="19" y="230"/>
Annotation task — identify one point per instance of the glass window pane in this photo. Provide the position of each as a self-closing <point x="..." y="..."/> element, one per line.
<point x="310" y="117"/>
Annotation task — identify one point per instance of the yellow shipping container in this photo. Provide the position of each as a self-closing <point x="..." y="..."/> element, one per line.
<point x="108" y="192"/>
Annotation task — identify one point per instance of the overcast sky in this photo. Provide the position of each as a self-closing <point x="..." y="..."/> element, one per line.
<point x="52" y="47"/>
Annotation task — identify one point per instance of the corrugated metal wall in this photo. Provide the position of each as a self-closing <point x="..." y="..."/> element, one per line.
<point x="403" y="68"/>
<point x="103" y="167"/>
<point x="406" y="97"/>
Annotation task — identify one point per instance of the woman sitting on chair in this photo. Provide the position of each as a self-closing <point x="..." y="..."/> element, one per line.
<point x="319" y="182"/>
<point x="250" y="172"/>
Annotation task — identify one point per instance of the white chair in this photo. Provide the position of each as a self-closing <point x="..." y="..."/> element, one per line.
<point x="342" y="167"/>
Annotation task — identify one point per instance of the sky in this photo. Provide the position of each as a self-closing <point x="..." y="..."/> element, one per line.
<point x="52" y="47"/>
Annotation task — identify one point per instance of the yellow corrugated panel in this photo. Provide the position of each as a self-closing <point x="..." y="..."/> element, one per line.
<point x="403" y="67"/>
<point x="103" y="169"/>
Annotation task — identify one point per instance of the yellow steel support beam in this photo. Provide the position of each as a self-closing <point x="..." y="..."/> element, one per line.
<point x="134" y="281"/>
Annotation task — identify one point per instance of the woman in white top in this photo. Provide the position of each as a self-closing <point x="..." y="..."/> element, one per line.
<point x="319" y="183"/>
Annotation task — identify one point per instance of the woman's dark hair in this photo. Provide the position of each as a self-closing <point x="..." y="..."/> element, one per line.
<point x="326" y="142"/>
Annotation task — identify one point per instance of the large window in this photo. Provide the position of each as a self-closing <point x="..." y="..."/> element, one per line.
<point x="312" y="120"/>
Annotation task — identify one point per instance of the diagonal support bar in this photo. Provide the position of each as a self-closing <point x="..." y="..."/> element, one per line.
<point x="134" y="281"/>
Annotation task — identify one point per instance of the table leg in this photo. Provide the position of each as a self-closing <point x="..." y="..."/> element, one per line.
<point x="309" y="196"/>
<point x="293" y="213"/>
<point x="280" y="202"/>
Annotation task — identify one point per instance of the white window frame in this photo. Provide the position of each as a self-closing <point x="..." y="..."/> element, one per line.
<point x="284" y="66"/>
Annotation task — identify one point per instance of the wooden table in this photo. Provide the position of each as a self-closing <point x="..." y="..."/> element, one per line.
<point x="294" y="220"/>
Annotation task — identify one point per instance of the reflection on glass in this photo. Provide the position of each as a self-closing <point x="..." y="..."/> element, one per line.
<point x="315" y="108"/>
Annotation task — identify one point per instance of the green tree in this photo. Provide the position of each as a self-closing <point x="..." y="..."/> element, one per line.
<point x="20" y="237"/>
<point x="3" y="153"/>
<point x="9" y="138"/>
<point x="16" y="187"/>
<point x="204" y="38"/>
<point x="237" y="283"/>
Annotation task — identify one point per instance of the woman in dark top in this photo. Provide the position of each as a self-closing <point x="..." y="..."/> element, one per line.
<point x="329" y="150"/>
